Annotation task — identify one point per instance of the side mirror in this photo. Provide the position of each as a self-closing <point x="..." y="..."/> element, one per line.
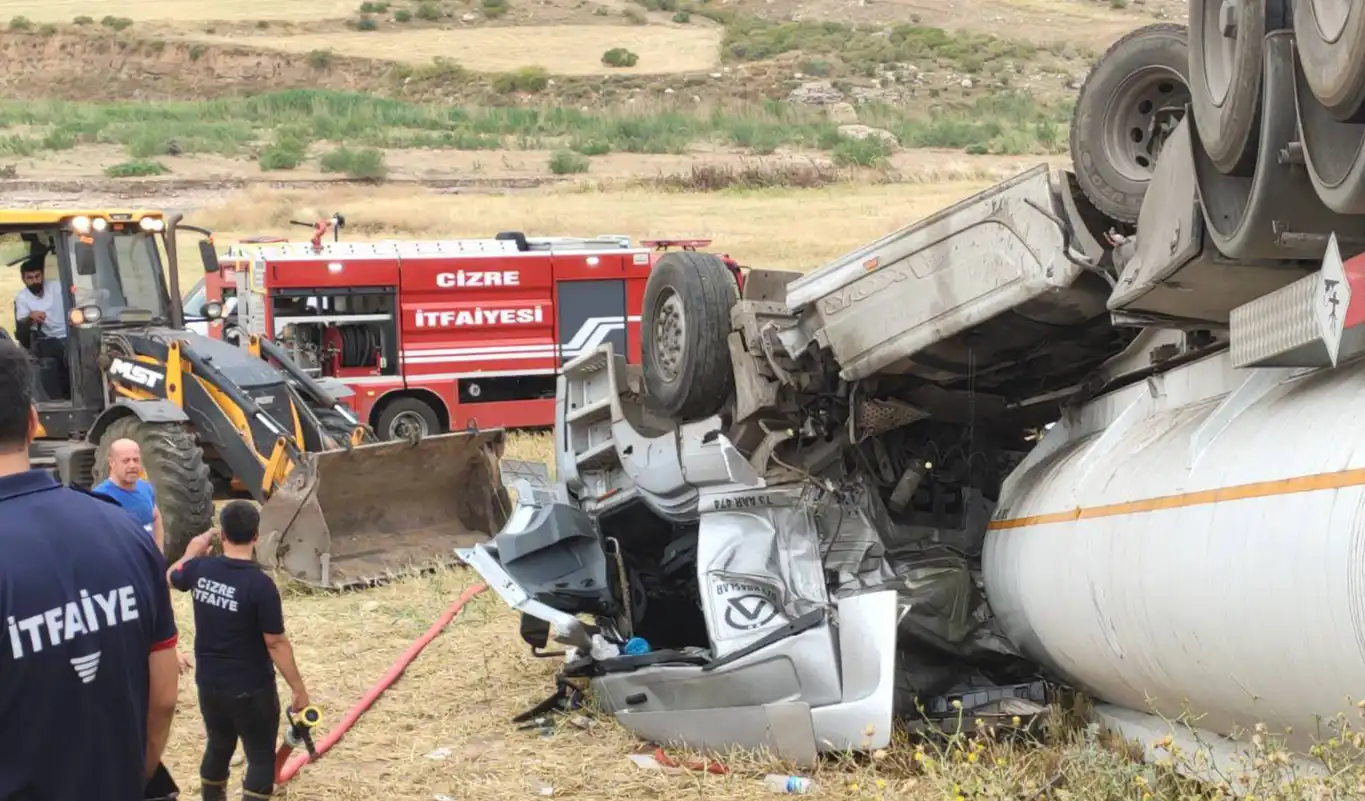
<point x="85" y="254"/>
<point x="211" y="310"/>
<point x="208" y="256"/>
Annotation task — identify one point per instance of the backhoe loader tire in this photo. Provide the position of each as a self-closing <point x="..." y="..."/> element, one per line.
<point x="404" y="412"/>
<point x="1141" y="82"/>
<point x="684" y="332"/>
<point x="175" y="465"/>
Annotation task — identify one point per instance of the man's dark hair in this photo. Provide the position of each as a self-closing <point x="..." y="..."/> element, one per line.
<point x="239" y="521"/>
<point x="16" y="395"/>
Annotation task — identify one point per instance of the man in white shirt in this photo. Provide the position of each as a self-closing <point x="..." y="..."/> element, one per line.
<point x="40" y="316"/>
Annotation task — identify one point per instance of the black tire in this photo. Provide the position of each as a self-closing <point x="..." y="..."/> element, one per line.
<point x="1139" y="82"/>
<point x="175" y="466"/>
<point x="1330" y="38"/>
<point x="686" y="320"/>
<point x="401" y="413"/>
<point x="339" y="429"/>
<point x="1225" y="83"/>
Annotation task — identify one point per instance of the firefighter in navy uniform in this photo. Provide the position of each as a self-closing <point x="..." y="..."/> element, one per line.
<point x="88" y="671"/>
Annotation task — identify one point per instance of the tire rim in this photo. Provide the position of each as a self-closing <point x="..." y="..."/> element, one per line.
<point x="1145" y="110"/>
<point x="1331" y="16"/>
<point x="407" y="424"/>
<point x="1220" y="50"/>
<point x="670" y="331"/>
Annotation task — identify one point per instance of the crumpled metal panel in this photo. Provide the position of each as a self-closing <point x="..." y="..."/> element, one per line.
<point x="940" y="276"/>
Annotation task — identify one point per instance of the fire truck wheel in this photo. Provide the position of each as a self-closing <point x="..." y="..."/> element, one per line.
<point x="684" y="330"/>
<point x="407" y="417"/>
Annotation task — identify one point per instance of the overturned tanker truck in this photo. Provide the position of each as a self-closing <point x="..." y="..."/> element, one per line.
<point x="1094" y="426"/>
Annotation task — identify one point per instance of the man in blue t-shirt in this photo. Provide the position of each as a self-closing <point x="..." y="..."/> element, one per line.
<point x="127" y="488"/>
<point x="88" y="675"/>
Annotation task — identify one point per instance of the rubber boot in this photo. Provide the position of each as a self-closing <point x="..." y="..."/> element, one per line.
<point x="213" y="791"/>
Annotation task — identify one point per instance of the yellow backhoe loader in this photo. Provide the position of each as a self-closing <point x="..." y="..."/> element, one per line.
<point x="338" y="508"/>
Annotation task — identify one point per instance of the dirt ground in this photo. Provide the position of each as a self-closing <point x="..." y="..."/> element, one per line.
<point x="561" y="49"/>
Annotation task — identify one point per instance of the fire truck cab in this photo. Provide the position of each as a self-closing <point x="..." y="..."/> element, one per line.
<point x="443" y="335"/>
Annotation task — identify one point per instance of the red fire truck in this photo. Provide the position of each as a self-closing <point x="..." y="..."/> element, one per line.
<point x="440" y="335"/>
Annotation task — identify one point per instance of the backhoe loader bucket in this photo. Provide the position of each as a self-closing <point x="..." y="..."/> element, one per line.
<point x="352" y="517"/>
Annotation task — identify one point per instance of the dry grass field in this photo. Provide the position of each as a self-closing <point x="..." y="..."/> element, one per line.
<point x="191" y="11"/>
<point x="560" y="49"/>
<point x="444" y="730"/>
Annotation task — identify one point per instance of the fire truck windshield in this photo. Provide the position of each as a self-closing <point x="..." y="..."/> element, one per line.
<point x="128" y="277"/>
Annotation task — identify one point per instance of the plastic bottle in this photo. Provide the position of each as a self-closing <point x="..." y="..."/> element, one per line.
<point x="778" y="783"/>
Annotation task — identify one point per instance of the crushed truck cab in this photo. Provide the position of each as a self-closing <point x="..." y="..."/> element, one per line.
<point x="1035" y="440"/>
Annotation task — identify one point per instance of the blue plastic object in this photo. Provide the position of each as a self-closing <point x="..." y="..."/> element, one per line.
<point x="636" y="646"/>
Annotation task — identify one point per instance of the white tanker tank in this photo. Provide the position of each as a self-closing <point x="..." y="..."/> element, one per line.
<point x="1196" y="539"/>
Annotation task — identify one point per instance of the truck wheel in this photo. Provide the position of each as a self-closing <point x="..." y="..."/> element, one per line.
<point x="175" y="466"/>
<point x="1226" y="66"/>
<point x="1330" y="38"/>
<point x="405" y="418"/>
<point x="1131" y="101"/>
<point x="686" y="322"/>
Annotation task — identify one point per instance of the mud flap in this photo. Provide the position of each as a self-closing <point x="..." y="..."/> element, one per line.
<point x="353" y="517"/>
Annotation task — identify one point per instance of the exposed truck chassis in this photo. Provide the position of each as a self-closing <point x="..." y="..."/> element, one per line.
<point x="789" y="502"/>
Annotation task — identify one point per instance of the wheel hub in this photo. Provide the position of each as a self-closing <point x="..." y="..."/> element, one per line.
<point x="1331" y="16"/>
<point x="670" y="330"/>
<point x="1220" y="47"/>
<point x="1148" y="109"/>
<point x="408" y="425"/>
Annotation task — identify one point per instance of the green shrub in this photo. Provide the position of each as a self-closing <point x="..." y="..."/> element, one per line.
<point x="620" y="57"/>
<point x="366" y="24"/>
<point x="320" y="59"/>
<point x="116" y="23"/>
<point x="682" y="16"/>
<point x="365" y="163"/>
<point x="429" y="11"/>
<point x="526" y="79"/>
<point x="402" y="15"/>
<point x="135" y="169"/>
<point x="20" y="24"/>
<point x="494" y="8"/>
<point x="287" y="152"/>
<point x="83" y="20"/>
<point x="591" y="147"/>
<point x="567" y="162"/>
<point x="373" y="8"/>
<point x="869" y="152"/>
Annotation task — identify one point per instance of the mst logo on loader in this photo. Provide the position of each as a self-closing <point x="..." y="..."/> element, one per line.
<point x="135" y="373"/>
<point x="478" y="278"/>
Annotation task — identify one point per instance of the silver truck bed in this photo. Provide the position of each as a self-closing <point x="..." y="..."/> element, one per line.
<point x="1013" y="243"/>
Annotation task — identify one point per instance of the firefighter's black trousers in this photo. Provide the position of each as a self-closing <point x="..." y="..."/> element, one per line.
<point x="252" y="717"/>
